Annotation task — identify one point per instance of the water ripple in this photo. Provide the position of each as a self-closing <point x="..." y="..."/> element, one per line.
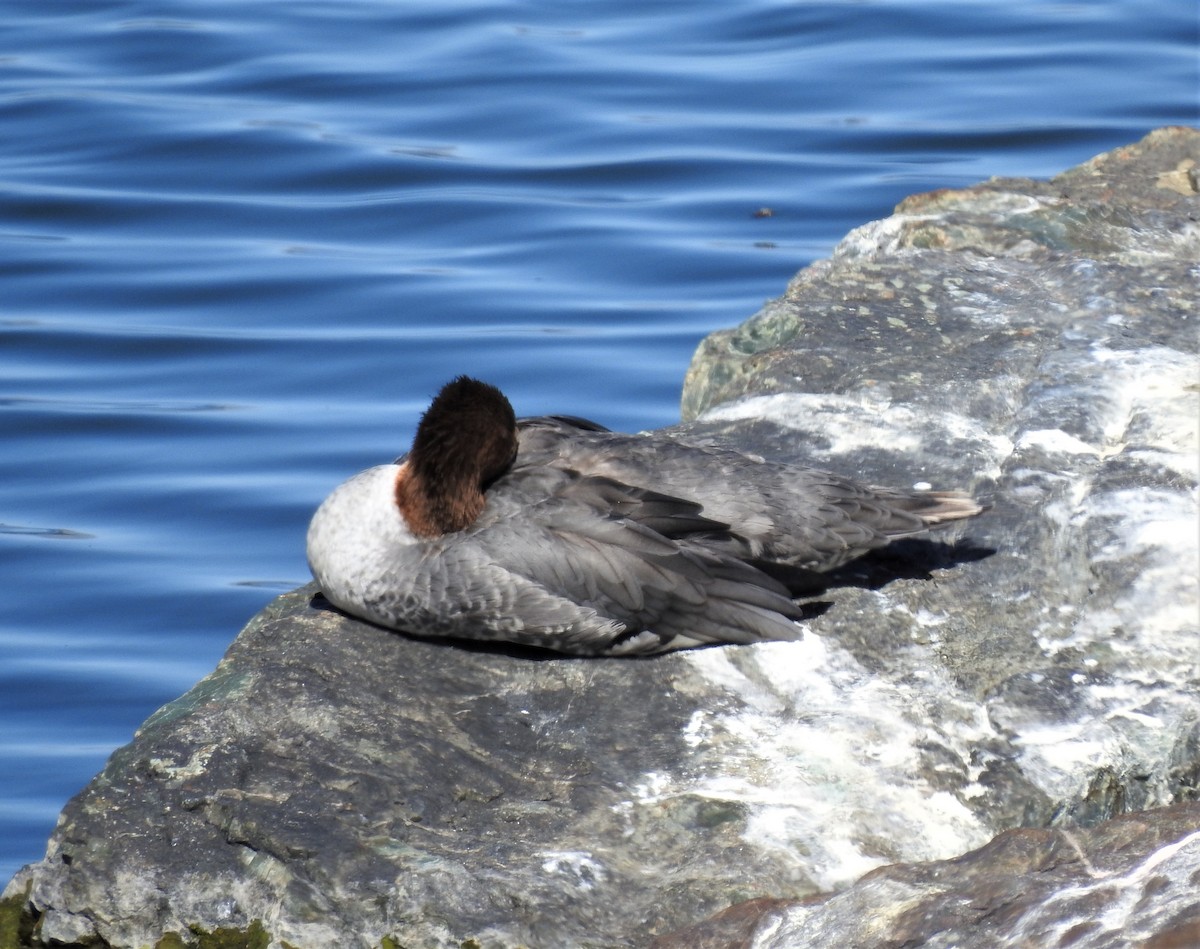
<point x="54" y="533"/>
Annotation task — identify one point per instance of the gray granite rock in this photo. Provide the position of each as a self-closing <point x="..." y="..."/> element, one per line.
<point x="1125" y="882"/>
<point x="963" y="299"/>
<point x="333" y="784"/>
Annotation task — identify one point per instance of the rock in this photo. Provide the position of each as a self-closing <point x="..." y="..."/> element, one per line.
<point x="334" y="784"/>
<point x="961" y="296"/>
<point x="342" y="785"/>
<point x="1126" y="882"/>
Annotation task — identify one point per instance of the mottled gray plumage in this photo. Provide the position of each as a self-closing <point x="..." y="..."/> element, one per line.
<point x="787" y="513"/>
<point x="590" y="541"/>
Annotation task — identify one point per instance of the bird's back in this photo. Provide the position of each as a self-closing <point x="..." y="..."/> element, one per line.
<point x="793" y="514"/>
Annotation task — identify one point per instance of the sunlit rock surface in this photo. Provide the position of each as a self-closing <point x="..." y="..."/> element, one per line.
<point x="1123" y="883"/>
<point x="333" y="784"/>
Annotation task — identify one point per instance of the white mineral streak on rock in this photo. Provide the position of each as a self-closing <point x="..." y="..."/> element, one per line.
<point x="849" y="423"/>
<point x="1111" y="909"/>
<point x="1152" y="400"/>
<point x="579" y="865"/>
<point x="1112" y="905"/>
<point x="827" y="758"/>
<point x="887" y="236"/>
<point x="1054" y="440"/>
<point x="1143" y="626"/>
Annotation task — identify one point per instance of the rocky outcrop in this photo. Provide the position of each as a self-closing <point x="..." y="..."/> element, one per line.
<point x="1125" y="882"/>
<point x="334" y="784"/>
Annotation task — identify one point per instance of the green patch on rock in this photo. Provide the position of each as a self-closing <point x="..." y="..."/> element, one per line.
<point x="389" y="943"/>
<point x="252" y="937"/>
<point x="710" y="814"/>
<point x="15" y="924"/>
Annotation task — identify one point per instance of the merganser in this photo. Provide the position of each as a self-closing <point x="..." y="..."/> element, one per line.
<point x="556" y="532"/>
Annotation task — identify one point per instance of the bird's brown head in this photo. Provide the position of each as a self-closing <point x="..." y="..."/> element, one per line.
<point x="466" y="439"/>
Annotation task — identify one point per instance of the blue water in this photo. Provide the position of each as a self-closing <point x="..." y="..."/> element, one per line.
<point x="241" y="243"/>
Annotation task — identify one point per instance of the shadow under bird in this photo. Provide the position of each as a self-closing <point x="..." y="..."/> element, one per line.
<point x="555" y="532"/>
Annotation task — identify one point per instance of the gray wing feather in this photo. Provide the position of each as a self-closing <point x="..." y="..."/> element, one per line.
<point x="795" y="515"/>
<point x="541" y="564"/>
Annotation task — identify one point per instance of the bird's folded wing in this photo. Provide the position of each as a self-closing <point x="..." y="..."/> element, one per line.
<point x="580" y="573"/>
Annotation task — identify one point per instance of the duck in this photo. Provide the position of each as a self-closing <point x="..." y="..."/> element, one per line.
<point x="555" y="532"/>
